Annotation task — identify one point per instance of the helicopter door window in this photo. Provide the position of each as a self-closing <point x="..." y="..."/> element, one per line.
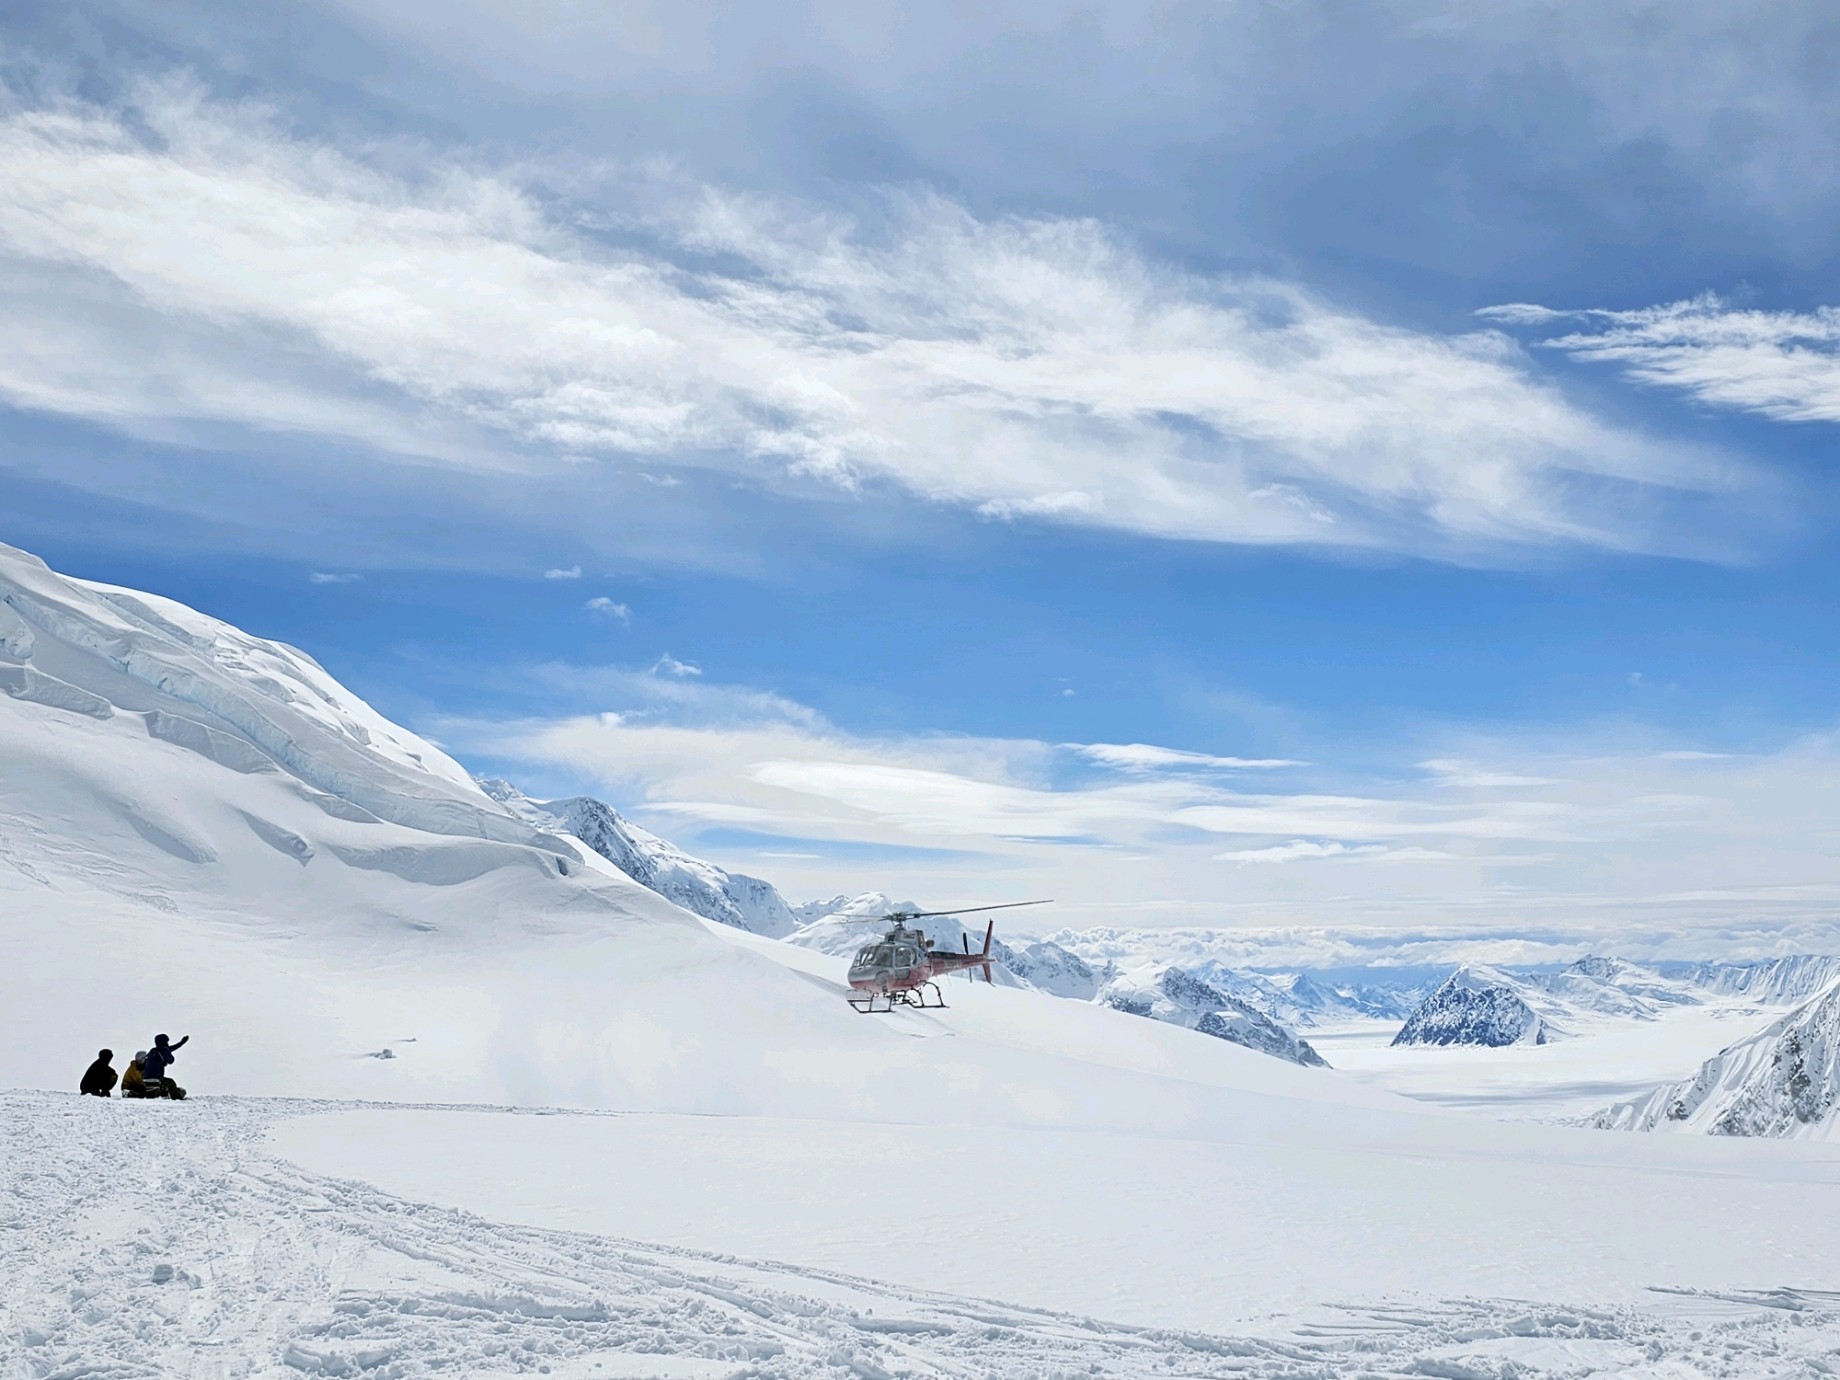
<point x="904" y="957"/>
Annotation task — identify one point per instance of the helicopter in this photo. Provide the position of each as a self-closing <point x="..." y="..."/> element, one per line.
<point x="900" y="968"/>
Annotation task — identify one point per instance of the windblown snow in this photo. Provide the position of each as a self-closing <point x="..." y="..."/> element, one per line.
<point x="665" y="1145"/>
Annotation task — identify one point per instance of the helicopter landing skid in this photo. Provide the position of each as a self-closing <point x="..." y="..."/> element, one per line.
<point x="882" y="1003"/>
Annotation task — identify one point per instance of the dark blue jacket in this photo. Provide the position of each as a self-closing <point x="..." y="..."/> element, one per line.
<point x="159" y="1059"/>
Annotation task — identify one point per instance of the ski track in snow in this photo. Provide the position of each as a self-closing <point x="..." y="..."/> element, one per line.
<point x="154" y="1239"/>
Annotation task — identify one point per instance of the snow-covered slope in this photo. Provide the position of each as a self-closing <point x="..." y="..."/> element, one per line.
<point x="1179" y="997"/>
<point x="1475" y="1006"/>
<point x="728" y="898"/>
<point x="1783" y="1081"/>
<point x="204" y="833"/>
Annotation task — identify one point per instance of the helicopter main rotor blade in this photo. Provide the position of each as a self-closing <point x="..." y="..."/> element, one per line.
<point x="973" y="910"/>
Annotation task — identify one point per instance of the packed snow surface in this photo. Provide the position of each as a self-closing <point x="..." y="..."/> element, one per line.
<point x="151" y="1239"/>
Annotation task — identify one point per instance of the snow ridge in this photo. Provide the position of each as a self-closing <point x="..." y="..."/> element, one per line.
<point x="1774" y="981"/>
<point x="1783" y="1082"/>
<point x="97" y="650"/>
<point x="699" y="886"/>
<point x="1180" y="998"/>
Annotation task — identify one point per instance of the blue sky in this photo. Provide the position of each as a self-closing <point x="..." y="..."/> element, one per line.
<point x="1262" y="464"/>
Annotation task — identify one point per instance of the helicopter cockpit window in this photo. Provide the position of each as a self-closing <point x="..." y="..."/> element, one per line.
<point x="884" y="956"/>
<point x="865" y="956"/>
<point x="904" y="956"/>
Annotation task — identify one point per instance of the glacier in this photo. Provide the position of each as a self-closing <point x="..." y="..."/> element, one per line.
<point x="1783" y="1081"/>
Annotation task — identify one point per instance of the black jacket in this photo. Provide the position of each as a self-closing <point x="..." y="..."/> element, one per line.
<point x="98" y="1079"/>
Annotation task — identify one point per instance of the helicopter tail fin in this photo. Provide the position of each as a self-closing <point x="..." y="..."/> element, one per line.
<point x="989" y="930"/>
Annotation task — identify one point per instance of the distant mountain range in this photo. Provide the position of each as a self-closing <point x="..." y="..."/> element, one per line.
<point x="1479" y="1005"/>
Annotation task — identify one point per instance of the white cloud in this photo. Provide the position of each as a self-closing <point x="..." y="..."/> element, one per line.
<point x="327" y="577"/>
<point x="1302" y="850"/>
<point x="668" y="665"/>
<point x="1592" y="836"/>
<point x="607" y="608"/>
<point x="1145" y="757"/>
<point x="1782" y="364"/>
<point x="1029" y="368"/>
<point x="572" y="573"/>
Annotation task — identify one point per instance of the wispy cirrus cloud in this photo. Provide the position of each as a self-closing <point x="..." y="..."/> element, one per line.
<point x="1033" y="369"/>
<point x="1784" y="365"/>
<point x="1148" y="757"/>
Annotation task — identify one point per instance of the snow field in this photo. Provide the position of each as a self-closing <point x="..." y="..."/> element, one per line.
<point x="148" y="1239"/>
<point x="1292" y="1208"/>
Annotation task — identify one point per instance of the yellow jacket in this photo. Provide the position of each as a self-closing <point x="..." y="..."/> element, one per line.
<point x="132" y="1077"/>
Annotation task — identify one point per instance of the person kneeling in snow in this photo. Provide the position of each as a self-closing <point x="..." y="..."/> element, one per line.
<point x="136" y="1083"/>
<point x="133" y="1082"/>
<point x="99" y="1077"/>
<point x="158" y="1060"/>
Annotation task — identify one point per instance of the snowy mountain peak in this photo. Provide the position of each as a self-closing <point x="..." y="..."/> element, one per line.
<point x="253" y="705"/>
<point x="1477" y="1005"/>
<point x="1783" y="1081"/>
<point x="1600" y="969"/>
<point x="699" y="886"/>
<point x="1181" y="998"/>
